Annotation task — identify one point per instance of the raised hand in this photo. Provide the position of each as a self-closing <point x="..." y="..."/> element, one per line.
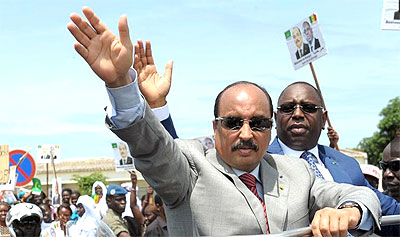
<point x="109" y="57"/>
<point x="133" y="178"/>
<point x="154" y="87"/>
<point x="333" y="137"/>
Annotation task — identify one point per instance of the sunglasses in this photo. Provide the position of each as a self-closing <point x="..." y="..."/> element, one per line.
<point x="256" y="123"/>
<point x="306" y="108"/>
<point x="392" y="165"/>
<point x="29" y="222"/>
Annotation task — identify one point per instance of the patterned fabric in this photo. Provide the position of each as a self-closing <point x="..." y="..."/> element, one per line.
<point x="311" y="159"/>
<point x="250" y="181"/>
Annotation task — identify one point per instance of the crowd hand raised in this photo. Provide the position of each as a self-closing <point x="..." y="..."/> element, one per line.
<point x="333" y="137"/>
<point x="335" y="222"/>
<point x="133" y="178"/>
<point x="154" y="87"/>
<point x="109" y="57"/>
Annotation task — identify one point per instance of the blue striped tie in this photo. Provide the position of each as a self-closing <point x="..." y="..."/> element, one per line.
<point x="310" y="158"/>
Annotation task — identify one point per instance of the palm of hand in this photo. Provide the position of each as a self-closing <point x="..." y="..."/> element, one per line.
<point x="108" y="58"/>
<point x="152" y="85"/>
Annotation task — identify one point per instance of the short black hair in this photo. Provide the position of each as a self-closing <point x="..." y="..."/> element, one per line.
<point x="304" y="83"/>
<point x="68" y="190"/>
<point x="76" y="192"/>
<point x="64" y="206"/>
<point x="217" y="100"/>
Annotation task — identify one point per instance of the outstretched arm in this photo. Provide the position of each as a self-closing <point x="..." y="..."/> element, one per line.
<point x="135" y="209"/>
<point x="154" y="87"/>
<point x="109" y="57"/>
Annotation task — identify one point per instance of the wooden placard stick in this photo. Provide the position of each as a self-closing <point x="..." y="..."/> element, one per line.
<point x="322" y="99"/>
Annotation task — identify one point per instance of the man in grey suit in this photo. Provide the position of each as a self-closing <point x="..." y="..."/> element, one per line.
<point x="230" y="190"/>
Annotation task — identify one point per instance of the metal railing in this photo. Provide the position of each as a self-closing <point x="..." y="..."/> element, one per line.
<point x="384" y="221"/>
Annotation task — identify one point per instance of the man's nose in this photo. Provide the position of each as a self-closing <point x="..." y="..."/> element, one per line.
<point x="297" y="112"/>
<point x="388" y="173"/>
<point x="245" y="131"/>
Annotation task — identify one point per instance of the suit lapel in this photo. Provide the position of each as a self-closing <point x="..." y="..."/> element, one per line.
<point x="276" y="189"/>
<point x="251" y="199"/>
<point x="334" y="166"/>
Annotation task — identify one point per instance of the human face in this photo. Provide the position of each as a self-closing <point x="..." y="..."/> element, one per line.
<point x="299" y="130"/>
<point x="123" y="150"/>
<point x="308" y="32"/>
<point x="37" y="199"/>
<point x="298" y="39"/>
<point x="117" y="203"/>
<point x="98" y="190"/>
<point x="149" y="213"/>
<point x="80" y="210"/>
<point x="64" y="215"/>
<point x="29" y="226"/>
<point x="390" y="177"/>
<point x="46" y="213"/>
<point x="66" y="196"/>
<point x="3" y="213"/>
<point x="244" y="101"/>
<point x="74" y="198"/>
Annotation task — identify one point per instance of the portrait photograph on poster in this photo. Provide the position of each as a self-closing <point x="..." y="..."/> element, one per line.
<point x="122" y="156"/>
<point x="45" y="151"/>
<point x="305" y="42"/>
<point x="391" y="15"/>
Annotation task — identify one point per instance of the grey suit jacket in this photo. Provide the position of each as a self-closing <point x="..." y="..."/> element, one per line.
<point x="203" y="196"/>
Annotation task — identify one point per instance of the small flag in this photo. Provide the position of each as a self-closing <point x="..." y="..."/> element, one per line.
<point x="114" y="145"/>
<point x="313" y="18"/>
<point x="36" y="186"/>
<point x="287" y="34"/>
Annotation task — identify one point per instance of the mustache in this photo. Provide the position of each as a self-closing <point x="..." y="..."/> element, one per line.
<point x="250" y="144"/>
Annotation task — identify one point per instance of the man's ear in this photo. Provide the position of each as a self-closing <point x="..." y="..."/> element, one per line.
<point x="108" y="200"/>
<point x="324" y="118"/>
<point x="214" y="125"/>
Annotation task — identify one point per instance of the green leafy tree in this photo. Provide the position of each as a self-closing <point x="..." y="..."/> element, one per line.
<point x="388" y="125"/>
<point x="85" y="183"/>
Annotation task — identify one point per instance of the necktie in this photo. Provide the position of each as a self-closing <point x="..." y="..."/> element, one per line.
<point x="310" y="158"/>
<point x="250" y="181"/>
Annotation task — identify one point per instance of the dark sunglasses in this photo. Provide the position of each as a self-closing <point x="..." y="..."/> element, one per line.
<point x="29" y="222"/>
<point x="256" y="123"/>
<point x="392" y="165"/>
<point x="306" y="108"/>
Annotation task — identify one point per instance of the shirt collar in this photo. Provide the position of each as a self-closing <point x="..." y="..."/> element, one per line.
<point x="294" y="153"/>
<point x="255" y="172"/>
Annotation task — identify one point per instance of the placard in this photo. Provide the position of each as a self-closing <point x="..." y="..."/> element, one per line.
<point x="305" y="42"/>
<point x="391" y="15"/>
<point x="122" y="156"/>
<point x="44" y="153"/>
<point x="4" y="163"/>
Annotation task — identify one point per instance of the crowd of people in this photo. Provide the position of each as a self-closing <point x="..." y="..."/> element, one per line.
<point x="243" y="186"/>
<point x="112" y="211"/>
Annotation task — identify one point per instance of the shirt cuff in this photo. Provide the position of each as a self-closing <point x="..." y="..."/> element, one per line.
<point x="366" y="219"/>
<point x="162" y="112"/>
<point x="126" y="103"/>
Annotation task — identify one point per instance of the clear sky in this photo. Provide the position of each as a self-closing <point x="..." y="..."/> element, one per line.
<point x="50" y="96"/>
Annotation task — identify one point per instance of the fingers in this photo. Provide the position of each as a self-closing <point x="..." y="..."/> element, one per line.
<point x="78" y="34"/>
<point x="149" y="56"/>
<point x="168" y="70"/>
<point x="94" y="20"/>
<point x="124" y="32"/>
<point x="81" y="50"/>
<point x="142" y="56"/>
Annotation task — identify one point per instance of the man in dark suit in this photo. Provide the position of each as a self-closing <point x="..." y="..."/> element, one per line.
<point x="125" y="159"/>
<point x="302" y="48"/>
<point x="299" y="122"/>
<point x="312" y="41"/>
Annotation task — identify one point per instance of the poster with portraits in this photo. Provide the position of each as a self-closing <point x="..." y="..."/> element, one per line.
<point x="44" y="153"/>
<point x="391" y="15"/>
<point x="305" y="42"/>
<point x="56" y="189"/>
<point x="207" y="141"/>
<point x="122" y="156"/>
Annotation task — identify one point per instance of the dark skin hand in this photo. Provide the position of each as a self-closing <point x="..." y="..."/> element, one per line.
<point x="333" y="137"/>
<point x="135" y="209"/>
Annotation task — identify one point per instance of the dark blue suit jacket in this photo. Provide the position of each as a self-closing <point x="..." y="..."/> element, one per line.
<point x="345" y="169"/>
